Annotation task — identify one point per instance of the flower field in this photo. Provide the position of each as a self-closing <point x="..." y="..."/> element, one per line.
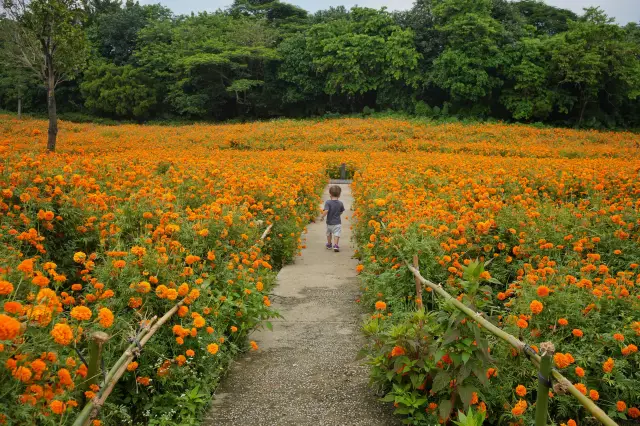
<point x="537" y="228"/>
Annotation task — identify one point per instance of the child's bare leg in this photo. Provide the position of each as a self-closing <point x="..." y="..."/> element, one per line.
<point x="336" y="240"/>
<point x="329" y="239"/>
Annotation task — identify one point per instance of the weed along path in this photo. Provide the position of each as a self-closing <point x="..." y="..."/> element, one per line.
<point x="305" y="372"/>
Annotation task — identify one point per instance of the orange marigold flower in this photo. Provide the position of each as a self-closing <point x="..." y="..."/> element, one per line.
<point x="9" y="327"/>
<point x="474" y="398"/>
<point x="608" y="365"/>
<point x="26" y="266"/>
<point x="536" y="307"/>
<point x="143" y="287"/>
<point x="619" y="337"/>
<point x="106" y="317"/>
<point x="571" y="422"/>
<point x="380" y="305"/>
<point x="40" y="280"/>
<point x="190" y="353"/>
<point x="12" y="308"/>
<point x="234" y="329"/>
<point x="132" y="366"/>
<point x="522" y="323"/>
<point x="81" y="313"/>
<point x="521" y="390"/>
<point x="581" y="387"/>
<point x="519" y="408"/>
<point x="543" y="291"/>
<point x="563" y="322"/>
<point x="199" y="322"/>
<point x="492" y="372"/>
<point x="594" y="395"/>
<point x="38" y="366"/>
<point x="561" y="360"/>
<point x="213" y="348"/>
<point x="79" y="257"/>
<point x="5" y="287"/>
<point x="621" y="406"/>
<point x="189" y="260"/>
<point x="630" y="349"/>
<point x="577" y="332"/>
<point x="634" y="412"/>
<point x="180" y="359"/>
<point x="22" y="373"/>
<point x="579" y="372"/>
<point x="65" y="378"/>
<point x="183" y="289"/>
<point x="254" y="345"/>
<point x="58" y="407"/>
<point x="119" y="264"/>
<point x="144" y="381"/>
<point x="397" y="351"/>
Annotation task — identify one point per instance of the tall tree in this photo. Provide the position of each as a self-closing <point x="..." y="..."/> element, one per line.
<point x="546" y="19"/>
<point x="467" y="68"/>
<point x="596" y="58"/>
<point x="362" y="52"/>
<point x="47" y="39"/>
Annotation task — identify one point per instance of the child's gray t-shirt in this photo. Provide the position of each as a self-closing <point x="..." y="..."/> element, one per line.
<point x="334" y="210"/>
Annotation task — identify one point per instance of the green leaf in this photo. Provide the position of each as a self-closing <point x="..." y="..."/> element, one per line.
<point x="466" y="393"/>
<point x="444" y="408"/>
<point x="441" y="381"/>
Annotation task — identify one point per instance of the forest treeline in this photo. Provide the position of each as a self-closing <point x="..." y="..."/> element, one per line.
<point x="523" y="61"/>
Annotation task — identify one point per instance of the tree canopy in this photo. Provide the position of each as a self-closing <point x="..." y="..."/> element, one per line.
<point x="521" y="61"/>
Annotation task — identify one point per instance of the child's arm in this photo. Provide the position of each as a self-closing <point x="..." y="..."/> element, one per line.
<point x="325" y="211"/>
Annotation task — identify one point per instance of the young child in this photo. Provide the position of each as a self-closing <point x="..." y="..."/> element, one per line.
<point x="333" y="208"/>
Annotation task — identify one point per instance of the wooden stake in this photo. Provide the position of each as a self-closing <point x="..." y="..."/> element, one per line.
<point x="544" y="383"/>
<point x="416" y="264"/>
<point x="98" y="339"/>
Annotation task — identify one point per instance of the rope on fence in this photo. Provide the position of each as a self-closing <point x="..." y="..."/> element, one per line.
<point x="517" y="344"/>
<point x="92" y="408"/>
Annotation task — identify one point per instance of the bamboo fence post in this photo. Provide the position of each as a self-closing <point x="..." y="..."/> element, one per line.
<point x="522" y="347"/>
<point x="416" y="264"/>
<point x="544" y="383"/>
<point x="98" y="339"/>
<point x="266" y="232"/>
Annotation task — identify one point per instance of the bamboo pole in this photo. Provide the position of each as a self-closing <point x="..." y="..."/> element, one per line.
<point x="544" y="383"/>
<point x="266" y="232"/>
<point x="516" y="343"/>
<point x="416" y="265"/>
<point x="98" y="339"/>
<point x="92" y="408"/>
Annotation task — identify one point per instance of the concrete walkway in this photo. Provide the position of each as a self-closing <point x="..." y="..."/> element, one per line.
<point x="305" y="372"/>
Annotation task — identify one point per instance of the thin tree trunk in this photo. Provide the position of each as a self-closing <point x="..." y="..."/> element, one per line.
<point x="584" y="106"/>
<point x="19" y="108"/>
<point x="53" y="117"/>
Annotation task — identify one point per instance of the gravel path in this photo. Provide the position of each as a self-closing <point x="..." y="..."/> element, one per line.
<point x="305" y="372"/>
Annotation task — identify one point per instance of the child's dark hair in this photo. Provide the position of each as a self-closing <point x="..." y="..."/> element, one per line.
<point x="335" y="191"/>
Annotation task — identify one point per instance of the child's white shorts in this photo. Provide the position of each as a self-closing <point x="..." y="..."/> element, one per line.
<point x="334" y="230"/>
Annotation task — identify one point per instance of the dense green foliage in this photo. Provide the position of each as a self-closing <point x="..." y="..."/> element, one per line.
<point x="522" y="60"/>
